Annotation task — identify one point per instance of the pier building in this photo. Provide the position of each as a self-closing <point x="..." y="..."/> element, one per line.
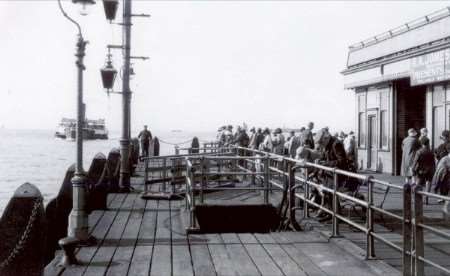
<point x="401" y="80"/>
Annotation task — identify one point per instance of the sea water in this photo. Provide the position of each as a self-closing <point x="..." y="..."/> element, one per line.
<point x="37" y="157"/>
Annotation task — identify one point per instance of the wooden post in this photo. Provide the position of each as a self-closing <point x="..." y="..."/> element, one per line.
<point x="145" y="174"/>
<point x="164" y="174"/>
<point x="407" y="248"/>
<point x="418" y="232"/>
<point x="266" y="180"/>
<point x="370" y="244"/>
<point x="202" y="181"/>
<point x="306" y="196"/>
<point x="335" y="221"/>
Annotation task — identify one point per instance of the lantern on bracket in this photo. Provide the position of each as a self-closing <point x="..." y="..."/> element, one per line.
<point x="108" y="74"/>
<point x="110" y="7"/>
<point x="85" y="5"/>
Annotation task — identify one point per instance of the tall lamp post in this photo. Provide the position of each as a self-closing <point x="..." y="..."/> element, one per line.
<point x="108" y="76"/>
<point x="78" y="219"/>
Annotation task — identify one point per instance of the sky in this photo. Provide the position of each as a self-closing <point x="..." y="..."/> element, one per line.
<point x="274" y="64"/>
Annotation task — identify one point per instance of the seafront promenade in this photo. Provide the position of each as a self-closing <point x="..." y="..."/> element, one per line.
<point x="148" y="237"/>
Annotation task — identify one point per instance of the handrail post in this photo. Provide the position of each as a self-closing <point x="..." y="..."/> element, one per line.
<point x="418" y="232"/>
<point x="253" y="169"/>
<point x="266" y="180"/>
<point x="174" y="172"/>
<point x="164" y="174"/>
<point x="370" y="244"/>
<point x="186" y="186"/>
<point x="407" y="249"/>
<point x="202" y="182"/>
<point x="145" y="175"/>
<point x="192" y="209"/>
<point x="306" y="195"/>
<point x="335" y="221"/>
<point x="291" y="194"/>
<point x="177" y="150"/>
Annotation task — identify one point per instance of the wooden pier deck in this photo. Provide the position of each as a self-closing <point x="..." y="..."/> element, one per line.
<point x="139" y="237"/>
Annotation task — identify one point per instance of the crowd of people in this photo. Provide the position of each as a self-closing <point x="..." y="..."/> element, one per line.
<point x="422" y="166"/>
<point x="338" y="150"/>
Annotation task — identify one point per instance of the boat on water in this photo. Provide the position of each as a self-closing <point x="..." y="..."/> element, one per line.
<point x="92" y="129"/>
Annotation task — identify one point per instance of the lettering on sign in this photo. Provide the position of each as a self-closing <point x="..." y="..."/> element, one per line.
<point x="429" y="68"/>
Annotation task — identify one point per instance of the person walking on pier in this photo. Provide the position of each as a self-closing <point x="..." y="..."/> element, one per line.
<point x="443" y="149"/>
<point x="308" y="137"/>
<point x="145" y="137"/>
<point x="410" y="145"/>
<point x="266" y="145"/>
<point x="278" y="141"/>
<point x="424" y="165"/>
<point x="350" y="150"/>
<point x="252" y="143"/>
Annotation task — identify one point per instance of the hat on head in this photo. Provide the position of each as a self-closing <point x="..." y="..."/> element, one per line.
<point x="412" y="132"/>
<point x="277" y="131"/>
<point x="445" y="134"/>
<point x="266" y="130"/>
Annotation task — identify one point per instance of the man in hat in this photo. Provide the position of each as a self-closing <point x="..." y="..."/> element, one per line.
<point x="278" y="141"/>
<point x="410" y="145"/>
<point x="443" y="149"/>
<point x="252" y="143"/>
<point x="350" y="150"/>
<point x="423" y="166"/>
<point x="259" y="138"/>
<point x="266" y="145"/>
<point x="145" y="136"/>
<point x="307" y="136"/>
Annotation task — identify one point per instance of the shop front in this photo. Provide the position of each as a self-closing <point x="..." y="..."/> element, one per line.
<point x="401" y="80"/>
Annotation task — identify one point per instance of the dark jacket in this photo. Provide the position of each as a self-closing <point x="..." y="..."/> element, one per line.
<point x="145" y="136"/>
<point x="334" y="154"/>
<point x="424" y="164"/>
<point x="442" y="150"/>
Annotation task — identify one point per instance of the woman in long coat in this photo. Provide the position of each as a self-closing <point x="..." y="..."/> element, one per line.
<point x="409" y="147"/>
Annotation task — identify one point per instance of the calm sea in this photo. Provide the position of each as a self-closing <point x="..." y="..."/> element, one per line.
<point x="37" y="157"/>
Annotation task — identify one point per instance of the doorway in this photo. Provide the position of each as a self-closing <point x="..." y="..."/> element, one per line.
<point x="410" y="106"/>
<point x="372" y="148"/>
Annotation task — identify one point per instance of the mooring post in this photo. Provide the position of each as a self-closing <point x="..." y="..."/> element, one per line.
<point x="418" y="231"/>
<point x="370" y="248"/>
<point x="335" y="220"/>
<point x="407" y="229"/>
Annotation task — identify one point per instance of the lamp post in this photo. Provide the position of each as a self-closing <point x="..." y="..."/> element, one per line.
<point x="108" y="75"/>
<point x="78" y="219"/>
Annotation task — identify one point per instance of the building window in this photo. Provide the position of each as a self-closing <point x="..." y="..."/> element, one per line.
<point x="384" y="119"/>
<point x="362" y="129"/>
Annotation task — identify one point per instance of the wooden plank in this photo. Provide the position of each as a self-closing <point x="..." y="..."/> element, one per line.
<point x="265" y="238"/>
<point x="247" y="238"/>
<point x="241" y="260"/>
<point x="120" y="261"/>
<point x="148" y="226"/>
<point x="229" y="238"/>
<point x="262" y="260"/>
<point x="178" y="232"/>
<point x="140" y="264"/>
<point x="221" y="260"/>
<point x="308" y="266"/>
<point x="163" y="234"/>
<point x="283" y="260"/>
<point x="201" y="260"/>
<point x="181" y="261"/>
<point x="161" y="260"/>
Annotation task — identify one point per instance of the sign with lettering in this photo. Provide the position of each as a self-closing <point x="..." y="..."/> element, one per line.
<point x="429" y="68"/>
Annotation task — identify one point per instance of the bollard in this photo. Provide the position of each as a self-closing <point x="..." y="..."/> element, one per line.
<point x="418" y="232"/>
<point x="370" y="244"/>
<point x="97" y="184"/>
<point x="407" y="229"/>
<point x="113" y="164"/>
<point x="22" y="229"/>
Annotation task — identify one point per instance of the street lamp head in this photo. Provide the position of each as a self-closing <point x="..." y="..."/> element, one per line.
<point x="108" y="74"/>
<point x="85" y="5"/>
<point x="110" y="7"/>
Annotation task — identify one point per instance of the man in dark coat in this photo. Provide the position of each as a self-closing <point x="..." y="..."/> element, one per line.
<point x="423" y="166"/>
<point x="443" y="149"/>
<point x="409" y="147"/>
<point x="307" y="136"/>
<point x="145" y="136"/>
<point x="259" y="138"/>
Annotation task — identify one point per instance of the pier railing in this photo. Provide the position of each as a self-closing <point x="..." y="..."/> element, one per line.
<point x="303" y="183"/>
<point x="300" y="183"/>
<point x="201" y="169"/>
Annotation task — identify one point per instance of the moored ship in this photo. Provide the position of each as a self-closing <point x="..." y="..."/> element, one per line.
<point x="92" y="129"/>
